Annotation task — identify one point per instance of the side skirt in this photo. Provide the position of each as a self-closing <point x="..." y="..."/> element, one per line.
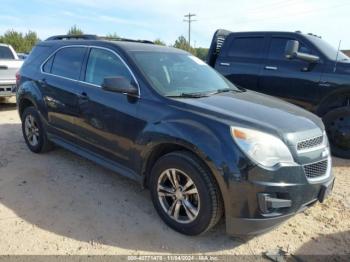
<point x="111" y="165"/>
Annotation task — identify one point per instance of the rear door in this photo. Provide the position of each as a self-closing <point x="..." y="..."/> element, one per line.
<point x="241" y="59"/>
<point x="62" y="90"/>
<point x="294" y="80"/>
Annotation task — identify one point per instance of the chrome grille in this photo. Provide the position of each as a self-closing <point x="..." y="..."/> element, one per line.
<point x="316" y="169"/>
<point x="310" y="143"/>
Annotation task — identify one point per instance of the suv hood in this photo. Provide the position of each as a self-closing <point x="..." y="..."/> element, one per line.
<point x="258" y="111"/>
<point x="343" y="67"/>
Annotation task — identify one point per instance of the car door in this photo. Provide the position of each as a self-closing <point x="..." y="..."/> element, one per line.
<point x="109" y="123"/>
<point x="62" y="90"/>
<point x="294" y="80"/>
<point x="241" y="59"/>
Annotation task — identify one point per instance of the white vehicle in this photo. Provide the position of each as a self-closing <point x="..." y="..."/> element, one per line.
<point x="9" y="66"/>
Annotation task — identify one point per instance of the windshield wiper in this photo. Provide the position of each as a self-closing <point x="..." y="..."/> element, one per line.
<point x="190" y="95"/>
<point x="225" y="90"/>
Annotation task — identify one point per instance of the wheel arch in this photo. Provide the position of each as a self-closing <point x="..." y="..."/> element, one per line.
<point x="333" y="100"/>
<point x="25" y="103"/>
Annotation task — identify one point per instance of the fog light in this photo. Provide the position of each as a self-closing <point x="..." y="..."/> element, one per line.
<point x="267" y="203"/>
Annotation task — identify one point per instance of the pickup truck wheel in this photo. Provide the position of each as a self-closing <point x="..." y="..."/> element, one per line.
<point x="185" y="194"/>
<point x="337" y="124"/>
<point x="33" y="132"/>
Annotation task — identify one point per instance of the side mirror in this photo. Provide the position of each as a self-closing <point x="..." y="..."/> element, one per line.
<point x="291" y="52"/>
<point x="119" y="85"/>
<point x="292" y="48"/>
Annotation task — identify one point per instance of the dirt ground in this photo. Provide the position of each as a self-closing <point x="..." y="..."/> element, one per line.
<point x="59" y="203"/>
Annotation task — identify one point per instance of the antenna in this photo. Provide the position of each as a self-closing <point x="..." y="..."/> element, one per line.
<point x="336" y="58"/>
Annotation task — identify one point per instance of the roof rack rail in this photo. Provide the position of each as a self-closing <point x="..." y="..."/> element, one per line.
<point x="95" y="37"/>
<point x="125" y="39"/>
<point x="73" y="37"/>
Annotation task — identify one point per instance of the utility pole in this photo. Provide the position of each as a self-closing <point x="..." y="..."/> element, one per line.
<point x="189" y="20"/>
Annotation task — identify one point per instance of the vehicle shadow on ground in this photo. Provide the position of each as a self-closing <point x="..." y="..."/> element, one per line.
<point x="340" y="162"/>
<point x="324" y="245"/>
<point x="75" y="198"/>
<point x="6" y="106"/>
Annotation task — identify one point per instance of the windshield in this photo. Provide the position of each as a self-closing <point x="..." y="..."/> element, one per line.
<point x="176" y="74"/>
<point x="5" y="53"/>
<point x="327" y="49"/>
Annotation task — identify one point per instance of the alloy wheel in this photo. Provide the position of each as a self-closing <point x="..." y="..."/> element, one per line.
<point x="178" y="196"/>
<point x="31" y="130"/>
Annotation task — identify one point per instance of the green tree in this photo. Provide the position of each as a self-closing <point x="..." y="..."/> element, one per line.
<point x="112" y="36"/>
<point x="30" y="39"/>
<point x="74" y="30"/>
<point x="202" y="53"/>
<point x="13" y="38"/>
<point x="159" y="42"/>
<point x="182" y="43"/>
<point x="22" y="44"/>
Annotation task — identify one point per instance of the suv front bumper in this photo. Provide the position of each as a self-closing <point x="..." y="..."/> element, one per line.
<point x="266" y="198"/>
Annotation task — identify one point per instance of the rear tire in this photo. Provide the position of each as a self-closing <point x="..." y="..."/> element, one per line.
<point x="196" y="205"/>
<point x="34" y="132"/>
<point x="337" y="124"/>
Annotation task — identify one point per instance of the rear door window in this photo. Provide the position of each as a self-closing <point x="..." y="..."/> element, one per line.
<point x="103" y="63"/>
<point x="67" y="62"/>
<point x="246" y="47"/>
<point x="278" y="48"/>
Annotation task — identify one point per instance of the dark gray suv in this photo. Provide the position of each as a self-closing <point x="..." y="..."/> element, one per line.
<point x="164" y="118"/>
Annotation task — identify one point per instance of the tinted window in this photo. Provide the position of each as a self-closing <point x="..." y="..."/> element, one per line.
<point x="246" y="47"/>
<point x="48" y="65"/>
<point x="327" y="49"/>
<point x="5" y="53"/>
<point x="68" y="61"/>
<point x="103" y="63"/>
<point x="278" y="48"/>
<point x="173" y="74"/>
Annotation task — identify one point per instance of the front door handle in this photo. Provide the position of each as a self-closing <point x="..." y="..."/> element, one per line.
<point x="271" y="67"/>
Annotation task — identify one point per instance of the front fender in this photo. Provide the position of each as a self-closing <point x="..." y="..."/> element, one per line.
<point x="210" y="141"/>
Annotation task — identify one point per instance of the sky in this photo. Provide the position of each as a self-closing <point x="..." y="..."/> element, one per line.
<point x="163" y="19"/>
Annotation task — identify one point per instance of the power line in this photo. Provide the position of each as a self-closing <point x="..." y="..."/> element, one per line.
<point x="189" y="20"/>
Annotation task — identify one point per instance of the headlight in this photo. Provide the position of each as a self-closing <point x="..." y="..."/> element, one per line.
<point x="260" y="147"/>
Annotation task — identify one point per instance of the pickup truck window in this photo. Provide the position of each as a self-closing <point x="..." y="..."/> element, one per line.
<point x="278" y="47"/>
<point x="103" y="63"/>
<point x="174" y="74"/>
<point x="67" y="62"/>
<point x="327" y="49"/>
<point x="6" y="53"/>
<point x="246" y="47"/>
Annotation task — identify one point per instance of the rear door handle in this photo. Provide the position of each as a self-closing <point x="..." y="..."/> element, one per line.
<point x="83" y="96"/>
<point x="43" y="82"/>
<point x="225" y="64"/>
<point x="271" y="67"/>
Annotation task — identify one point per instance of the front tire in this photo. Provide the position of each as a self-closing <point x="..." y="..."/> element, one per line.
<point x="33" y="131"/>
<point x="185" y="194"/>
<point x="337" y="124"/>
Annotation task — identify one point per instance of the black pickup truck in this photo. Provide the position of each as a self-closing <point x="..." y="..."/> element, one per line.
<point x="300" y="68"/>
